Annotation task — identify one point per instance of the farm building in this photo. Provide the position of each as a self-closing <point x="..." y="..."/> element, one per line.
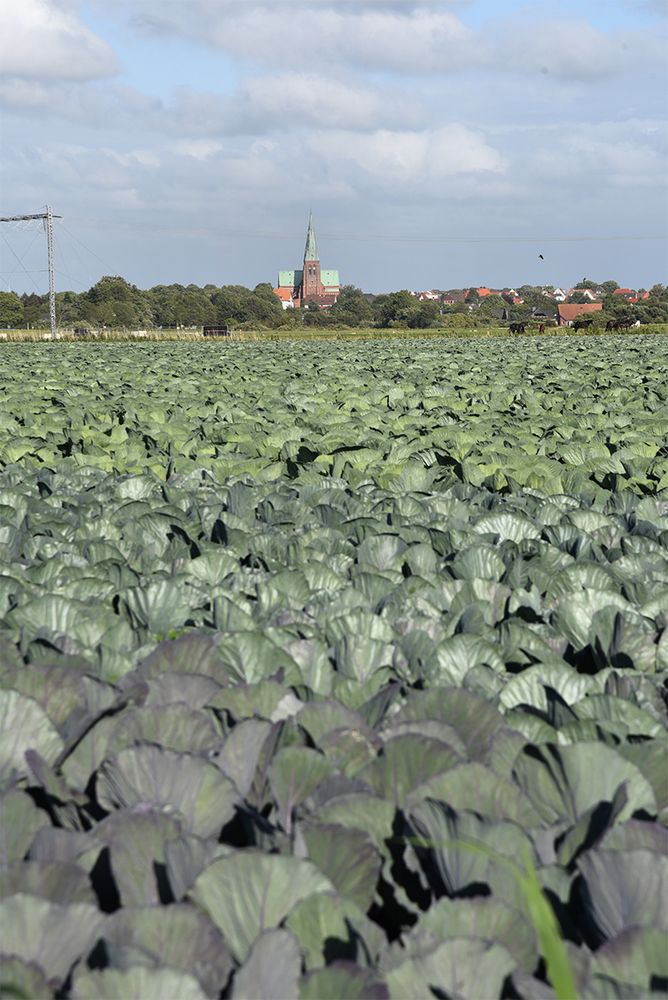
<point x="567" y="313"/>
<point x="310" y="284"/>
<point x="217" y="330"/>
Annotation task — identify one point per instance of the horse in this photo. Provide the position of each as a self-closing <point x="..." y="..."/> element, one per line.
<point x="582" y="324"/>
<point x="517" y="327"/>
<point x="623" y="323"/>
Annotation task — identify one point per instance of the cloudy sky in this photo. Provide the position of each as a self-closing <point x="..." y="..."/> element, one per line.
<point x="439" y="144"/>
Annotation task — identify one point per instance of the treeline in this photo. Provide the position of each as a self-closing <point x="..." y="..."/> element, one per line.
<point x="113" y="303"/>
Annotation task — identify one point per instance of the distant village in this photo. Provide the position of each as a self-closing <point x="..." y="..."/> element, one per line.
<point x="562" y="305"/>
<point x="317" y="289"/>
<point x="313" y="295"/>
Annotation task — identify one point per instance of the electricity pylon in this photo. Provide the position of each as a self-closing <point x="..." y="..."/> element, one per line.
<point x="47" y="218"/>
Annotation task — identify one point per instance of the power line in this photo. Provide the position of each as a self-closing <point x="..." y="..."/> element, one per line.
<point x="47" y="218"/>
<point x="81" y="263"/>
<point x="29" y="218"/>
<point x="86" y="248"/>
<point x="354" y="238"/>
<point x="61" y="271"/>
<point x="30" y="245"/>
<point x="25" y="269"/>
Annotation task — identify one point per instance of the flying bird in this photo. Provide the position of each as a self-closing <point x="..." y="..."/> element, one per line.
<point x="541" y="256"/>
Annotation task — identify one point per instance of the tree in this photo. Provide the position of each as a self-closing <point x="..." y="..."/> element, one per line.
<point x="112" y="301"/>
<point x="264" y="306"/>
<point x="455" y="319"/>
<point x="11" y="310"/>
<point x="68" y="308"/>
<point x="533" y="297"/>
<point x="609" y="287"/>
<point x="426" y="315"/>
<point x="654" y="309"/>
<point x="237" y="304"/>
<point x="493" y="306"/>
<point x="394" y="308"/>
<point x="35" y="309"/>
<point x="352" y="307"/>
<point x="230" y="303"/>
<point x="314" y="316"/>
<point x="165" y="304"/>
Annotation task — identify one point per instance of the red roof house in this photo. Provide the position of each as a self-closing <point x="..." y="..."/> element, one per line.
<point x="566" y="313"/>
<point x="628" y="293"/>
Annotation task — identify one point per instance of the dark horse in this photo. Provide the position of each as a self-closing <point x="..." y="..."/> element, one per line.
<point x="517" y="327"/>
<point x="582" y="324"/>
<point x="625" y="323"/>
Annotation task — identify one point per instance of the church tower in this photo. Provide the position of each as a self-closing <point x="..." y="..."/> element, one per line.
<point x="308" y="284"/>
<point x="312" y="283"/>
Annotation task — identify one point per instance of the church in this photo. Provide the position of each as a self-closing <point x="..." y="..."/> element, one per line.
<point x="311" y="285"/>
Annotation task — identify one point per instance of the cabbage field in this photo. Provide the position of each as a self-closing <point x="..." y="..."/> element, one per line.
<point x="334" y="670"/>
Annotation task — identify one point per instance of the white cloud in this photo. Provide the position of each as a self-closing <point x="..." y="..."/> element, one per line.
<point x="652" y="6"/>
<point x="411" y="161"/>
<point x="262" y="104"/>
<point x="598" y="157"/>
<point x="283" y="102"/>
<point x="383" y="40"/>
<point x="197" y="149"/>
<point x="105" y="170"/>
<point x="386" y="36"/>
<point x="93" y="104"/>
<point x="568" y="49"/>
<point x="312" y="100"/>
<point x="393" y="36"/>
<point x="44" y="40"/>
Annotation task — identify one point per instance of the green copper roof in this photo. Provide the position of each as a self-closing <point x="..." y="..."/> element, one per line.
<point x="311" y="251"/>
<point x="329" y="278"/>
<point x="290" y="279"/>
<point x="293" y="279"/>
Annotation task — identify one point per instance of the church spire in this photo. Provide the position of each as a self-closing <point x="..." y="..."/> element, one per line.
<point x="311" y="251"/>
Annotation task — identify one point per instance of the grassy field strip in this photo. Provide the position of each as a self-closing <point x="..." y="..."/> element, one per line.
<point x="190" y="336"/>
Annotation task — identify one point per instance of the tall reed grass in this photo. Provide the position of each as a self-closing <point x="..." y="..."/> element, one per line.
<point x="290" y="333"/>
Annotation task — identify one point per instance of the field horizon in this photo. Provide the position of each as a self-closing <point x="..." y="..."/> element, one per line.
<point x="194" y="335"/>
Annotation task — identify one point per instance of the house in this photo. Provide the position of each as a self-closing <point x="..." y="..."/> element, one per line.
<point x="558" y="294"/>
<point x="567" y="313"/>
<point x="541" y="316"/>
<point x="285" y="295"/>
<point x="629" y="294"/>
<point x="430" y="296"/>
<point x="586" y="293"/>
<point x="310" y="285"/>
<point x="511" y="296"/>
